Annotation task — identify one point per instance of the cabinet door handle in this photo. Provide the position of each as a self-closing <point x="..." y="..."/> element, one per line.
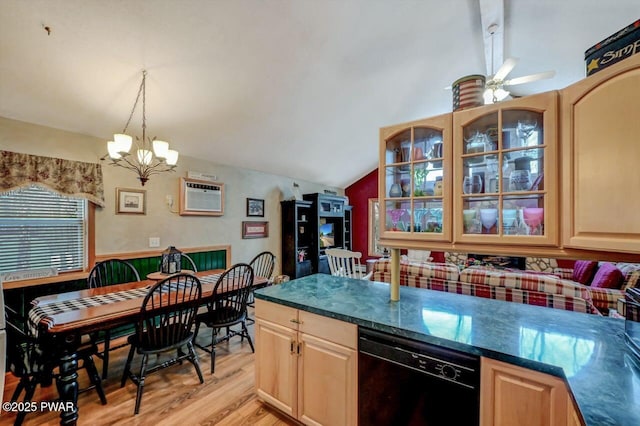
<point x="298" y="349"/>
<point x="292" y="343"/>
<point x="295" y="321"/>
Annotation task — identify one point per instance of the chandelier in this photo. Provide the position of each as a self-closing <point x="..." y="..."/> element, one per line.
<point x="145" y="162"/>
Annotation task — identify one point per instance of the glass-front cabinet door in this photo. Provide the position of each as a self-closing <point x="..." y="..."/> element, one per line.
<point x="506" y="167"/>
<point x="415" y="180"/>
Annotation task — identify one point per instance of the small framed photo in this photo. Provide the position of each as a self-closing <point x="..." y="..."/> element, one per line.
<point x="131" y="201"/>
<point x="255" y="207"/>
<point x="255" y="230"/>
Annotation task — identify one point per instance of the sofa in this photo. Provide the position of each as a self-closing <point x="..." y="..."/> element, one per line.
<point x="529" y="287"/>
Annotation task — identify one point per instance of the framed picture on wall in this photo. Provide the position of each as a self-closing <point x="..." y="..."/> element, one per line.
<point x="255" y="207"/>
<point x="255" y="230"/>
<point x="131" y="201"/>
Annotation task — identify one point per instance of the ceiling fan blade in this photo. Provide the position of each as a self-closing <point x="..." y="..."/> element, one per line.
<point x="529" y="78"/>
<point x="505" y="69"/>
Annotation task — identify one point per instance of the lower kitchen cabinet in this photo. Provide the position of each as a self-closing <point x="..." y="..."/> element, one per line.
<point x="512" y="395"/>
<point x="306" y="364"/>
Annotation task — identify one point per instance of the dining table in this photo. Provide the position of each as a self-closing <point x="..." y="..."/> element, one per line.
<point x="60" y="321"/>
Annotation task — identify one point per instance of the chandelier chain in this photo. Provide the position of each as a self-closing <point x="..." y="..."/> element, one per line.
<point x="141" y="89"/>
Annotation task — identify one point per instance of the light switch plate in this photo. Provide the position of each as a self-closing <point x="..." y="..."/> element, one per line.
<point x="154" y="242"/>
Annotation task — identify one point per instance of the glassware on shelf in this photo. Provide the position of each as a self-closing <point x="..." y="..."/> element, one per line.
<point x="434" y="220"/>
<point x="524" y="129"/>
<point x="418" y="215"/>
<point x="472" y="184"/>
<point x="533" y="218"/>
<point x="471" y="224"/>
<point x="395" y="215"/>
<point x="509" y="221"/>
<point x="436" y="152"/>
<point x="520" y="180"/>
<point x="488" y="217"/>
<point x="395" y="191"/>
<point x="438" y="187"/>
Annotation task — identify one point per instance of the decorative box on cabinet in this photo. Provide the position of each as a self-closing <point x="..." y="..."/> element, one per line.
<point x="600" y="151"/>
<point x="415" y="180"/>
<point x="296" y="353"/>
<point x="505" y="187"/>
<point x="297" y="238"/>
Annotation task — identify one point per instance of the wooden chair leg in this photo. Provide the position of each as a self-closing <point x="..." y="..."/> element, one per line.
<point x="213" y="350"/>
<point x="127" y="366"/>
<point x="21" y="385"/>
<point x="92" y="371"/>
<point x="143" y="368"/>
<point x="193" y="357"/>
<point x="31" y="389"/>
<point x="245" y="333"/>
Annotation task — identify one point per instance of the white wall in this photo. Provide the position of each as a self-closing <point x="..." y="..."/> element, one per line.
<point x="129" y="233"/>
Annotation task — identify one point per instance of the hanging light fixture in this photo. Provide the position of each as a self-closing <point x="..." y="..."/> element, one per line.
<point x="152" y="156"/>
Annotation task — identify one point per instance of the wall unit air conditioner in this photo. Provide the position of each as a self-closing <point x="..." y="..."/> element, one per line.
<point x="201" y="198"/>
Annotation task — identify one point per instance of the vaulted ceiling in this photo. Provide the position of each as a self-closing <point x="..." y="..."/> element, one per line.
<point x="293" y="87"/>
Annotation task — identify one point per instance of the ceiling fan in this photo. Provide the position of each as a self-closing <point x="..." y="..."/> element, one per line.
<point x="495" y="83"/>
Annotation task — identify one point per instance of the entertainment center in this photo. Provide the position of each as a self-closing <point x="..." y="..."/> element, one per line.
<point x="309" y="227"/>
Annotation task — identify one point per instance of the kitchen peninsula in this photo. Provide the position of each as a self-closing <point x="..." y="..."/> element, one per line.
<point x="584" y="351"/>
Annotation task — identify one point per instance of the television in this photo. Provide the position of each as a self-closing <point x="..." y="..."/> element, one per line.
<point x="326" y="235"/>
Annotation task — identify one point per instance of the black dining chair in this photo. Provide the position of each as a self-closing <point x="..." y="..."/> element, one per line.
<point x="166" y="318"/>
<point x="263" y="265"/>
<point x="29" y="360"/>
<point x="227" y="307"/>
<point x="106" y="273"/>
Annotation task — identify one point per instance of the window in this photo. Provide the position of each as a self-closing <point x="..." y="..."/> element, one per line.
<point x="41" y="229"/>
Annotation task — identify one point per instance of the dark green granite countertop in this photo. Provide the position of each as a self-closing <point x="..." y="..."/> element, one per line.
<point x="586" y="350"/>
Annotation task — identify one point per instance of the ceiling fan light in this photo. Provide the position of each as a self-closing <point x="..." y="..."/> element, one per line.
<point x="498" y="95"/>
<point x="501" y="94"/>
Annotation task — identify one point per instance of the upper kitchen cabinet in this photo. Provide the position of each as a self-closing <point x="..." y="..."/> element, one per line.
<point x="415" y="180"/>
<point x="505" y="185"/>
<point x="600" y="152"/>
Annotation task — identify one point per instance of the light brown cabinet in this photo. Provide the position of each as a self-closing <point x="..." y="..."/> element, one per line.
<point x="415" y="180"/>
<point x="306" y="364"/>
<point x="505" y="186"/>
<point x="512" y="395"/>
<point x="601" y="150"/>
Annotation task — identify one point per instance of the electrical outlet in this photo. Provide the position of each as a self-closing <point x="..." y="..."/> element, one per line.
<point x="169" y="200"/>
<point x="154" y="242"/>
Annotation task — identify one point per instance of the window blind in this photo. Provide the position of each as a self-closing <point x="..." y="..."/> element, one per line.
<point x="41" y="229"/>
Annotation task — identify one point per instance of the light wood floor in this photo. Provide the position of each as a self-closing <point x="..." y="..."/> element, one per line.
<point x="172" y="396"/>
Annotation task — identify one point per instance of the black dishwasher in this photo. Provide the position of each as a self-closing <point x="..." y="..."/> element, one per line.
<point x="406" y="382"/>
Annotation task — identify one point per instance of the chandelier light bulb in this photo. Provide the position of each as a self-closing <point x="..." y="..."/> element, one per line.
<point x="122" y="142"/>
<point x="145" y="156"/>
<point x="172" y="157"/>
<point x="113" y="150"/>
<point x="160" y="148"/>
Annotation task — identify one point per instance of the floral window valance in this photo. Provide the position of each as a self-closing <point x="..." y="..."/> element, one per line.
<point x="66" y="177"/>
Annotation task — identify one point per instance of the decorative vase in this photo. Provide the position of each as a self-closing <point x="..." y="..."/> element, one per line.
<point x="395" y="191"/>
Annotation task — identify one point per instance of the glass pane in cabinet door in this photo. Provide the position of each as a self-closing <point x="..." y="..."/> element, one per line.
<point x="480" y="174"/>
<point x="427" y="144"/>
<point x="399" y="148"/>
<point x="480" y="215"/>
<point x="398" y="216"/>
<point x="481" y="135"/>
<point x="398" y="181"/>
<point x="427" y="216"/>
<point x="523" y="170"/>
<point x="427" y="179"/>
<point x="521" y="129"/>
<point x="523" y="215"/>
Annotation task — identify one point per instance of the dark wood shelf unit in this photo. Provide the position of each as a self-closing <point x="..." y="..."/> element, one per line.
<point x="297" y="238"/>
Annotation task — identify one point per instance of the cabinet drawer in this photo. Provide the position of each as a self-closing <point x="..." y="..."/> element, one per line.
<point x="336" y="331"/>
<point x="278" y="314"/>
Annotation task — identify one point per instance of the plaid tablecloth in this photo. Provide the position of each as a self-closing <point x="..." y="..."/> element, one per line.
<point x="42" y="314"/>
